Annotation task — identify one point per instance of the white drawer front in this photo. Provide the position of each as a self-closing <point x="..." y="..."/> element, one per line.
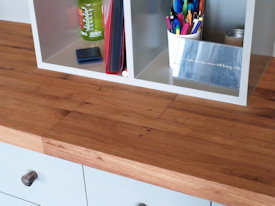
<point x="106" y="189"/>
<point x="59" y="182"/>
<point x="216" y="204"/>
<point x="7" y="200"/>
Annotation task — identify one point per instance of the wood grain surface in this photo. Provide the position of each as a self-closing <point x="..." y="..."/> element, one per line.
<point x="216" y="151"/>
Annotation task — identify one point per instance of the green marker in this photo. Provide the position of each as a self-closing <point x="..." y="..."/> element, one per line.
<point x="177" y="30"/>
<point x="185" y="9"/>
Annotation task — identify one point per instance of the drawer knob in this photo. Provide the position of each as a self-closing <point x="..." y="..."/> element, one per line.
<point x="142" y="204"/>
<point x="29" y="178"/>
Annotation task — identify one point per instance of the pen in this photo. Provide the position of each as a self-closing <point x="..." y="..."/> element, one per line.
<point x="172" y="25"/>
<point x="178" y="30"/>
<point x="175" y="24"/>
<point x="172" y="17"/>
<point x="201" y="7"/>
<point x="196" y="21"/>
<point x="196" y="9"/>
<point x="201" y="19"/>
<point x="181" y="19"/>
<point x="172" y="12"/>
<point x="191" y="7"/>
<point x="195" y="16"/>
<point x="185" y="8"/>
<point x="194" y="5"/>
<point x="197" y="28"/>
<point x="190" y="28"/>
<point x="168" y="23"/>
<point x="185" y="17"/>
<point x="189" y="17"/>
<point x="178" y="6"/>
<point x="185" y="29"/>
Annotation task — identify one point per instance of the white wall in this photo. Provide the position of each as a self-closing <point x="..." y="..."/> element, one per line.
<point x="18" y="11"/>
<point x="14" y="10"/>
<point x="264" y="34"/>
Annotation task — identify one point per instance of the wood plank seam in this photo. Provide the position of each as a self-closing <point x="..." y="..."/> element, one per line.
<point x="167" y="107"/>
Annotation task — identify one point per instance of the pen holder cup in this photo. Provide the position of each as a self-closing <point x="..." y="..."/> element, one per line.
<point x="174" y="41"/>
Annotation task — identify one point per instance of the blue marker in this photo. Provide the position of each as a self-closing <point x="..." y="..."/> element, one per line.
<point x="178" y="6"/>
<point x="194" y="5"/>
<point x="175" y="24"/>
<point x="197" y="7"/>
<point x="191" y="7"/>
<point x="197" y="28"/>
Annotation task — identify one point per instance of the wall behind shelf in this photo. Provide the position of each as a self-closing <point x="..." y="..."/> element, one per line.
<point x="218" y="18"/>
<point x="18" y="11"/>
<point x="15" y="10"/>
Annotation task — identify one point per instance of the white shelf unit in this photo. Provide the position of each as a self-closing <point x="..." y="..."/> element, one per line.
<point x="56" y="37"/>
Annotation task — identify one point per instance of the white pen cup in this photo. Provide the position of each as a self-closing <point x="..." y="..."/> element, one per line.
<point x="197" y="36"/>
<point x="175" y="40"/>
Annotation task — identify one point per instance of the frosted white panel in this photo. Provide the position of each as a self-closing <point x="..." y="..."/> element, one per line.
<point x="57" y="23"/>
<point x="15" y="10"/>
<point x="262" y="42"/>
<point x="149" y="30"/>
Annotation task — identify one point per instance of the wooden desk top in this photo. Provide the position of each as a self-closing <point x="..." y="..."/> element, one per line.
<point x="212" y="150"/>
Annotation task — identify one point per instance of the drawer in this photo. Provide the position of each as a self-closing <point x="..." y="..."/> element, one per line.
<point x="216" y="204"/>
<point x="59" y="182"/>
<point x="8" y="200"/>
<point x="105" y="189"/>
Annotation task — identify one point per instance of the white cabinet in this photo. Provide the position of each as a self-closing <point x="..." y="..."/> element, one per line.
<point x="216" y="204"/>
<point x="106" y="189"/>
<point x="7" y="200"/>
<point x="62" y="183"/>
<point x="59" y="182"/>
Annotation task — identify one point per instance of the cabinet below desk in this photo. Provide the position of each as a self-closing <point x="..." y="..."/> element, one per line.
<point x="216" y="204"/>
<point x="106" y="189"/>
<point x="9" y="200"/>
<point x="60" y="182"/>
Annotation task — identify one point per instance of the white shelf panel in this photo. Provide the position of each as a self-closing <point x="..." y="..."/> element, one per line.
<point x="160" y="72"/>
<point x="67" y="56"/>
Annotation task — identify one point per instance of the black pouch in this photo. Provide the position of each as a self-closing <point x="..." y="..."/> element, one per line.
<point x="89" y="55"/>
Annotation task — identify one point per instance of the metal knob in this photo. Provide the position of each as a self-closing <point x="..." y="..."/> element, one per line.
<point x="142" y="204"/>
<point x="29" y="178"/>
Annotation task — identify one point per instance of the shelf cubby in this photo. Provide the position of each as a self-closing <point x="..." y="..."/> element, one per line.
<point x="57" y="35"/>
